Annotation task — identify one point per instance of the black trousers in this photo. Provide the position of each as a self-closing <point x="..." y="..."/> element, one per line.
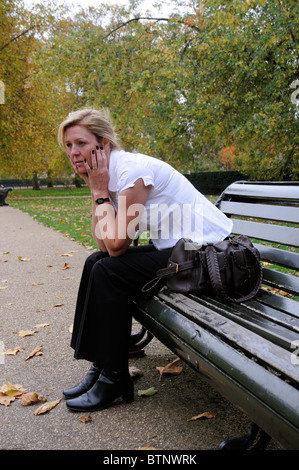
<point x="103" y="317"/>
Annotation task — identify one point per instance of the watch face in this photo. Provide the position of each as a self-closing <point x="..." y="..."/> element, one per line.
<point x="102" y="199"/>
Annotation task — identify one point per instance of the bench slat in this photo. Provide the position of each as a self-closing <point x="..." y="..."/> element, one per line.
<point x="277" y="326"/>
<point x="263" y="211"/>
<point x="280" y="303"/>
<point x="285" y="282"/>
<point x="272" y="192"/>
<point x="285" y="258"/>
<point x="274" y="233"/>
<point x="271" y="354"/>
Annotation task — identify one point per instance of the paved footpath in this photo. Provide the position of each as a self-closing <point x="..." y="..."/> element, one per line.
<point x="40" y="271"/>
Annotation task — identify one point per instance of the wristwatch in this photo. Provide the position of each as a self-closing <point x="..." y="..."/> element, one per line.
<point x="101" y="200"/>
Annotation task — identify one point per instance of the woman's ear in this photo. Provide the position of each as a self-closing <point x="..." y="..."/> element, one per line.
<point x="105" y="143"/>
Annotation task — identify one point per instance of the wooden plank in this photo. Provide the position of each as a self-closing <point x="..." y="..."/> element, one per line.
<point x="265" y="320"/>
<point x="271" y="354"/>
<point x="279" y="302"/>
<point x="278" y="256"/>
<point x="263" y="211"/>
<point x="274" y="233"/>
<point x="266" y="191"/>
<point x="283" y="281"/>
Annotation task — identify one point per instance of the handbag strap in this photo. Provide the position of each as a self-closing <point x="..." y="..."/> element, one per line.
<point x="153" y="286"/>
<point x="215" y="277"/>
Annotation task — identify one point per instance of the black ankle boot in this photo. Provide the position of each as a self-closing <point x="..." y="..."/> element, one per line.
<point x="109" y="386"/>
<point x="86" y="384"/>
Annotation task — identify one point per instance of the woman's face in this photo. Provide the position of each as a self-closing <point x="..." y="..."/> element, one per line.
<point x="79" y="143"/>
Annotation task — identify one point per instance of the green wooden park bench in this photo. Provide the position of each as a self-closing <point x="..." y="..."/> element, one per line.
<point x="248" y="352"/>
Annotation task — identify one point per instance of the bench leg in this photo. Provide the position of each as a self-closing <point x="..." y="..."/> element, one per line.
<point x="138" y="341"/>
<point x="255" y="439"/>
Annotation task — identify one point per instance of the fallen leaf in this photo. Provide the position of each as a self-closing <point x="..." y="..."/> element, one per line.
<point x="26" y="332"/>
<point x="147" y="393"/>
<point x="31" y="397"/>
<point x="70" y="253"/>
<point x="37" y="284"/>
<point x="46" y="407"/>
<point x="42" y="325"/>
<point x="170" y="368"/>
<point x="9" y="392"/>
<point x="67" y="278"/>
<point x="82" y="419"/>
<point x="13" y="352"/>
<point x="57" y="305"/>
<point x="5" y="399"/>
<point x="3" y="287"/>
<point x="65" y="266"/>
<point x="71" y="328"/>
<point x="23" y="259"/>
<point x="206" y="414"/>
<point x="135" y="372"/>
<point x="36" y="352"/>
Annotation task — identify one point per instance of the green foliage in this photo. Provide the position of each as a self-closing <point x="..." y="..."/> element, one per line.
<point x="181" y="88"/>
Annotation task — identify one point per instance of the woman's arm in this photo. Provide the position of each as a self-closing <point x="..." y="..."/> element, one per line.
<point x="116" y="231"/>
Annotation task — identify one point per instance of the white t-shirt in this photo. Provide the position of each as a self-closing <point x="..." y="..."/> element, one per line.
<point x="174" y="208"/>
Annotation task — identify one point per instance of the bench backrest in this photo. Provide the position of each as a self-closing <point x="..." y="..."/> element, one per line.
<point x="269" y="214"/>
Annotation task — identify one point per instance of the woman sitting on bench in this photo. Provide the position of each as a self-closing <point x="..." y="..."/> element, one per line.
<point x="131" y="193"/>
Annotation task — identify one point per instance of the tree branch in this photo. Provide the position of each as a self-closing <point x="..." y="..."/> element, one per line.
<point x="134" y="19"/>
<point x="17" y="37"/>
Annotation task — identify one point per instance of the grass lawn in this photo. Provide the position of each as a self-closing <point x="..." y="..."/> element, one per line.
<point x="60" y="208"/>
<point x="67" y="210"/>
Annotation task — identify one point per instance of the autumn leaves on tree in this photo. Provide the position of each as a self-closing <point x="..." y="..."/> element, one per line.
<point x="209" y="88"/>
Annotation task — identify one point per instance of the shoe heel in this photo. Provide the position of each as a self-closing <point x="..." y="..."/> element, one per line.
<point x="128" y="397"/>
<point x="128" y="393"/>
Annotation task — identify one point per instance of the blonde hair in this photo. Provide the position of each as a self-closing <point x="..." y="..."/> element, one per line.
<point x="97" y="122"/>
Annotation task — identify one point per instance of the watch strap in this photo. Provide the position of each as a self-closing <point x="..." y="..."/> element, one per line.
<point x="101" y="200"/>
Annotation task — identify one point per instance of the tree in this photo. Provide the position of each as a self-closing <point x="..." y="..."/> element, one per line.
<point x="245" y="56"/>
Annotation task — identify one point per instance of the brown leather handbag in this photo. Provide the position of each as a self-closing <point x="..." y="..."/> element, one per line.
<point x="230" y="269"/>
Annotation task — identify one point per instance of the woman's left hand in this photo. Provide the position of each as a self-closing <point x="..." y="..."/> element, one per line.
<point x="98" y="172"/>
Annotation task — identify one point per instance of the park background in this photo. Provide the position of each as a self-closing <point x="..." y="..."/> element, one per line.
<point x="209" y="86"/>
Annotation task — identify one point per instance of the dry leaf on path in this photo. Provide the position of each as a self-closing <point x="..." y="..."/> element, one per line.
<point x="84" y="419"/>
<point x="70" y="253"/>
<point x="37" y="283"/>
<point x="20" y="258"/>
<point x="206" y="414"/>
<point x="135" y="372"/>
<point x="171" y="368"/>
<point x="65" y="266"/>
<point x="31" y="397"/>
<point x="13" y="352"/>
<point x="46" y="407"/>
<point x="42" y="325"/>
<point x="9" y="392"/>
<point x="36" y="352"/>
<point x="26" y="332"/>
